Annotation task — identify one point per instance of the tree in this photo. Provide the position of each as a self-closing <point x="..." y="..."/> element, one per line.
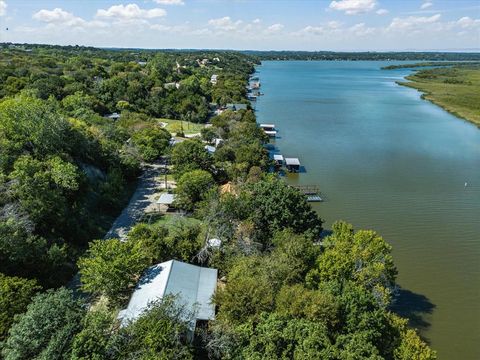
<point x="110" y="267"/>
<point x="275" y="206"/>
<point x="192" y="188"/>
<point x="279" y="337"/>
<point x="363" y="257"/>
<point x="15" y="294"/>
<point x="93" y="341"/>
<point x="298" y="302"/>
<point x="190" y="155"/>
<point x="408" y="344"/>
<point x="208" y="134"/>
<point x="181" y="239"/>
<point x="161" y="332"/>
<point x="248" y="292"/>
<point x="23" y="253"/>
<point x="46" y="329"/>
<point x="151" y="142"/>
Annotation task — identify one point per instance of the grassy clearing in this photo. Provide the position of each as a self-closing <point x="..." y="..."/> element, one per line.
<point x="189" y="128"/>
<point x="457" y="90"/>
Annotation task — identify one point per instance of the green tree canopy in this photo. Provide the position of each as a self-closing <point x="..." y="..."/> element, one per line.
<point x="275" y="206"/>
<point x="110" y="267"/>
<point x="190" y="155"/>
<point x="192" y="187"/>
<point x="46" y="329"/>
<point x="161" y="332"/>
<point x="15" y="294"/>
<point x="151" y="142"/>
<point x="362" y="256"/>
<point x="93" y="341"/>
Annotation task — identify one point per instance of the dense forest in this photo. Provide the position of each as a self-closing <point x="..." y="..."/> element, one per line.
<point x="285" y="290"/>
<point x="369" y="55"/>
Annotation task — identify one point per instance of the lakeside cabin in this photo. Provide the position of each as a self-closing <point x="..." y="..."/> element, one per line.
<point x="194" y="286"/>
<point x="292" y="164"/>
<point x="236" y="107"/>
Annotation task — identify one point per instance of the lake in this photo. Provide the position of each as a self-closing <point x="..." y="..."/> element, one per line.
<point x="387" y="160"/>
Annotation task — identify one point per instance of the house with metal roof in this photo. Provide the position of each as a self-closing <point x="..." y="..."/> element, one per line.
<point x="194" y="286"/>
<point x="236" y="107"/>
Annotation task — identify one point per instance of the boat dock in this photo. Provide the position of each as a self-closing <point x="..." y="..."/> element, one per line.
<point x="312" y="192"/>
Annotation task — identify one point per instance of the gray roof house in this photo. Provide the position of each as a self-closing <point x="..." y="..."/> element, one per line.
<point x="236" y="107"/>
<point x="194" y="286"/>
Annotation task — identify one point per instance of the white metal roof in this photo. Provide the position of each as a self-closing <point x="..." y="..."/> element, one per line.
<point x="292" y="161"/>
<point x="193" y="284"/>
<point x="278" y="157"/>
<point x="211" y="149"/>
<point x="166" y="199"/>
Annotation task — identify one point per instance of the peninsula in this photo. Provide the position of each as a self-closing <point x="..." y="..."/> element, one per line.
<point x="454" y="88"/>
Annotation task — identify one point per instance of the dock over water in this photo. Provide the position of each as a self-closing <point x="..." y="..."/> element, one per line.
<point x="311" y="192"/>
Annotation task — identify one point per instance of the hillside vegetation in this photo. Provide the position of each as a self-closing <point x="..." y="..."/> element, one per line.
<point x="66" y="169"/>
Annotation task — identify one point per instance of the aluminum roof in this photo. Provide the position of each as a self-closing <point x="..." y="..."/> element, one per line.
<point x="193" y="284"/>
<point x="166" y="199"/>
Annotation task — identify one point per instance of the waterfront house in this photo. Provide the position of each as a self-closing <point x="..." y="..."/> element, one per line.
<point x="193" y="285"/>
<point x="236" y="107"/>
<point x="292" y="164"/>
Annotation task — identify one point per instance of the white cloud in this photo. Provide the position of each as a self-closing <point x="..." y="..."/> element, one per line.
<point x="275" y="28"/>
<point x="334" y="24"/>
<point x="336" y="30"/>
<point x="426" y="5"/>
<point x="170" y="2"/>
<point x="382" y="11"/>
<point x="361" y="30"/>
<point x="225" y="23"/>
<point x="352" y="7"/>
<point x="130" y="12"/>
<point x="412" y="22"/>
<point x="3" y="8"/>
<point x="467" y="22"/>
<point x="59" y="17"/>
<point x="257" y="21"/>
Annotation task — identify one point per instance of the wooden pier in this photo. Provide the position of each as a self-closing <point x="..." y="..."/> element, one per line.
<point x="311" y="192"/>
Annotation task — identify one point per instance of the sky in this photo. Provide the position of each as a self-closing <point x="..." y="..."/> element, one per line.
<point x="338" y="25"/>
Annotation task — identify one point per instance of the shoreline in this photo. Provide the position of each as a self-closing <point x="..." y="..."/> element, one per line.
<point x="429" y="96"/>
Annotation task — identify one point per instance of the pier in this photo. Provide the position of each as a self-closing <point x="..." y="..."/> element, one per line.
<point x="312" y="192"/>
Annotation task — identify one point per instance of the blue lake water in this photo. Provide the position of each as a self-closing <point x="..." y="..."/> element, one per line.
<point x="387" y="160"/>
